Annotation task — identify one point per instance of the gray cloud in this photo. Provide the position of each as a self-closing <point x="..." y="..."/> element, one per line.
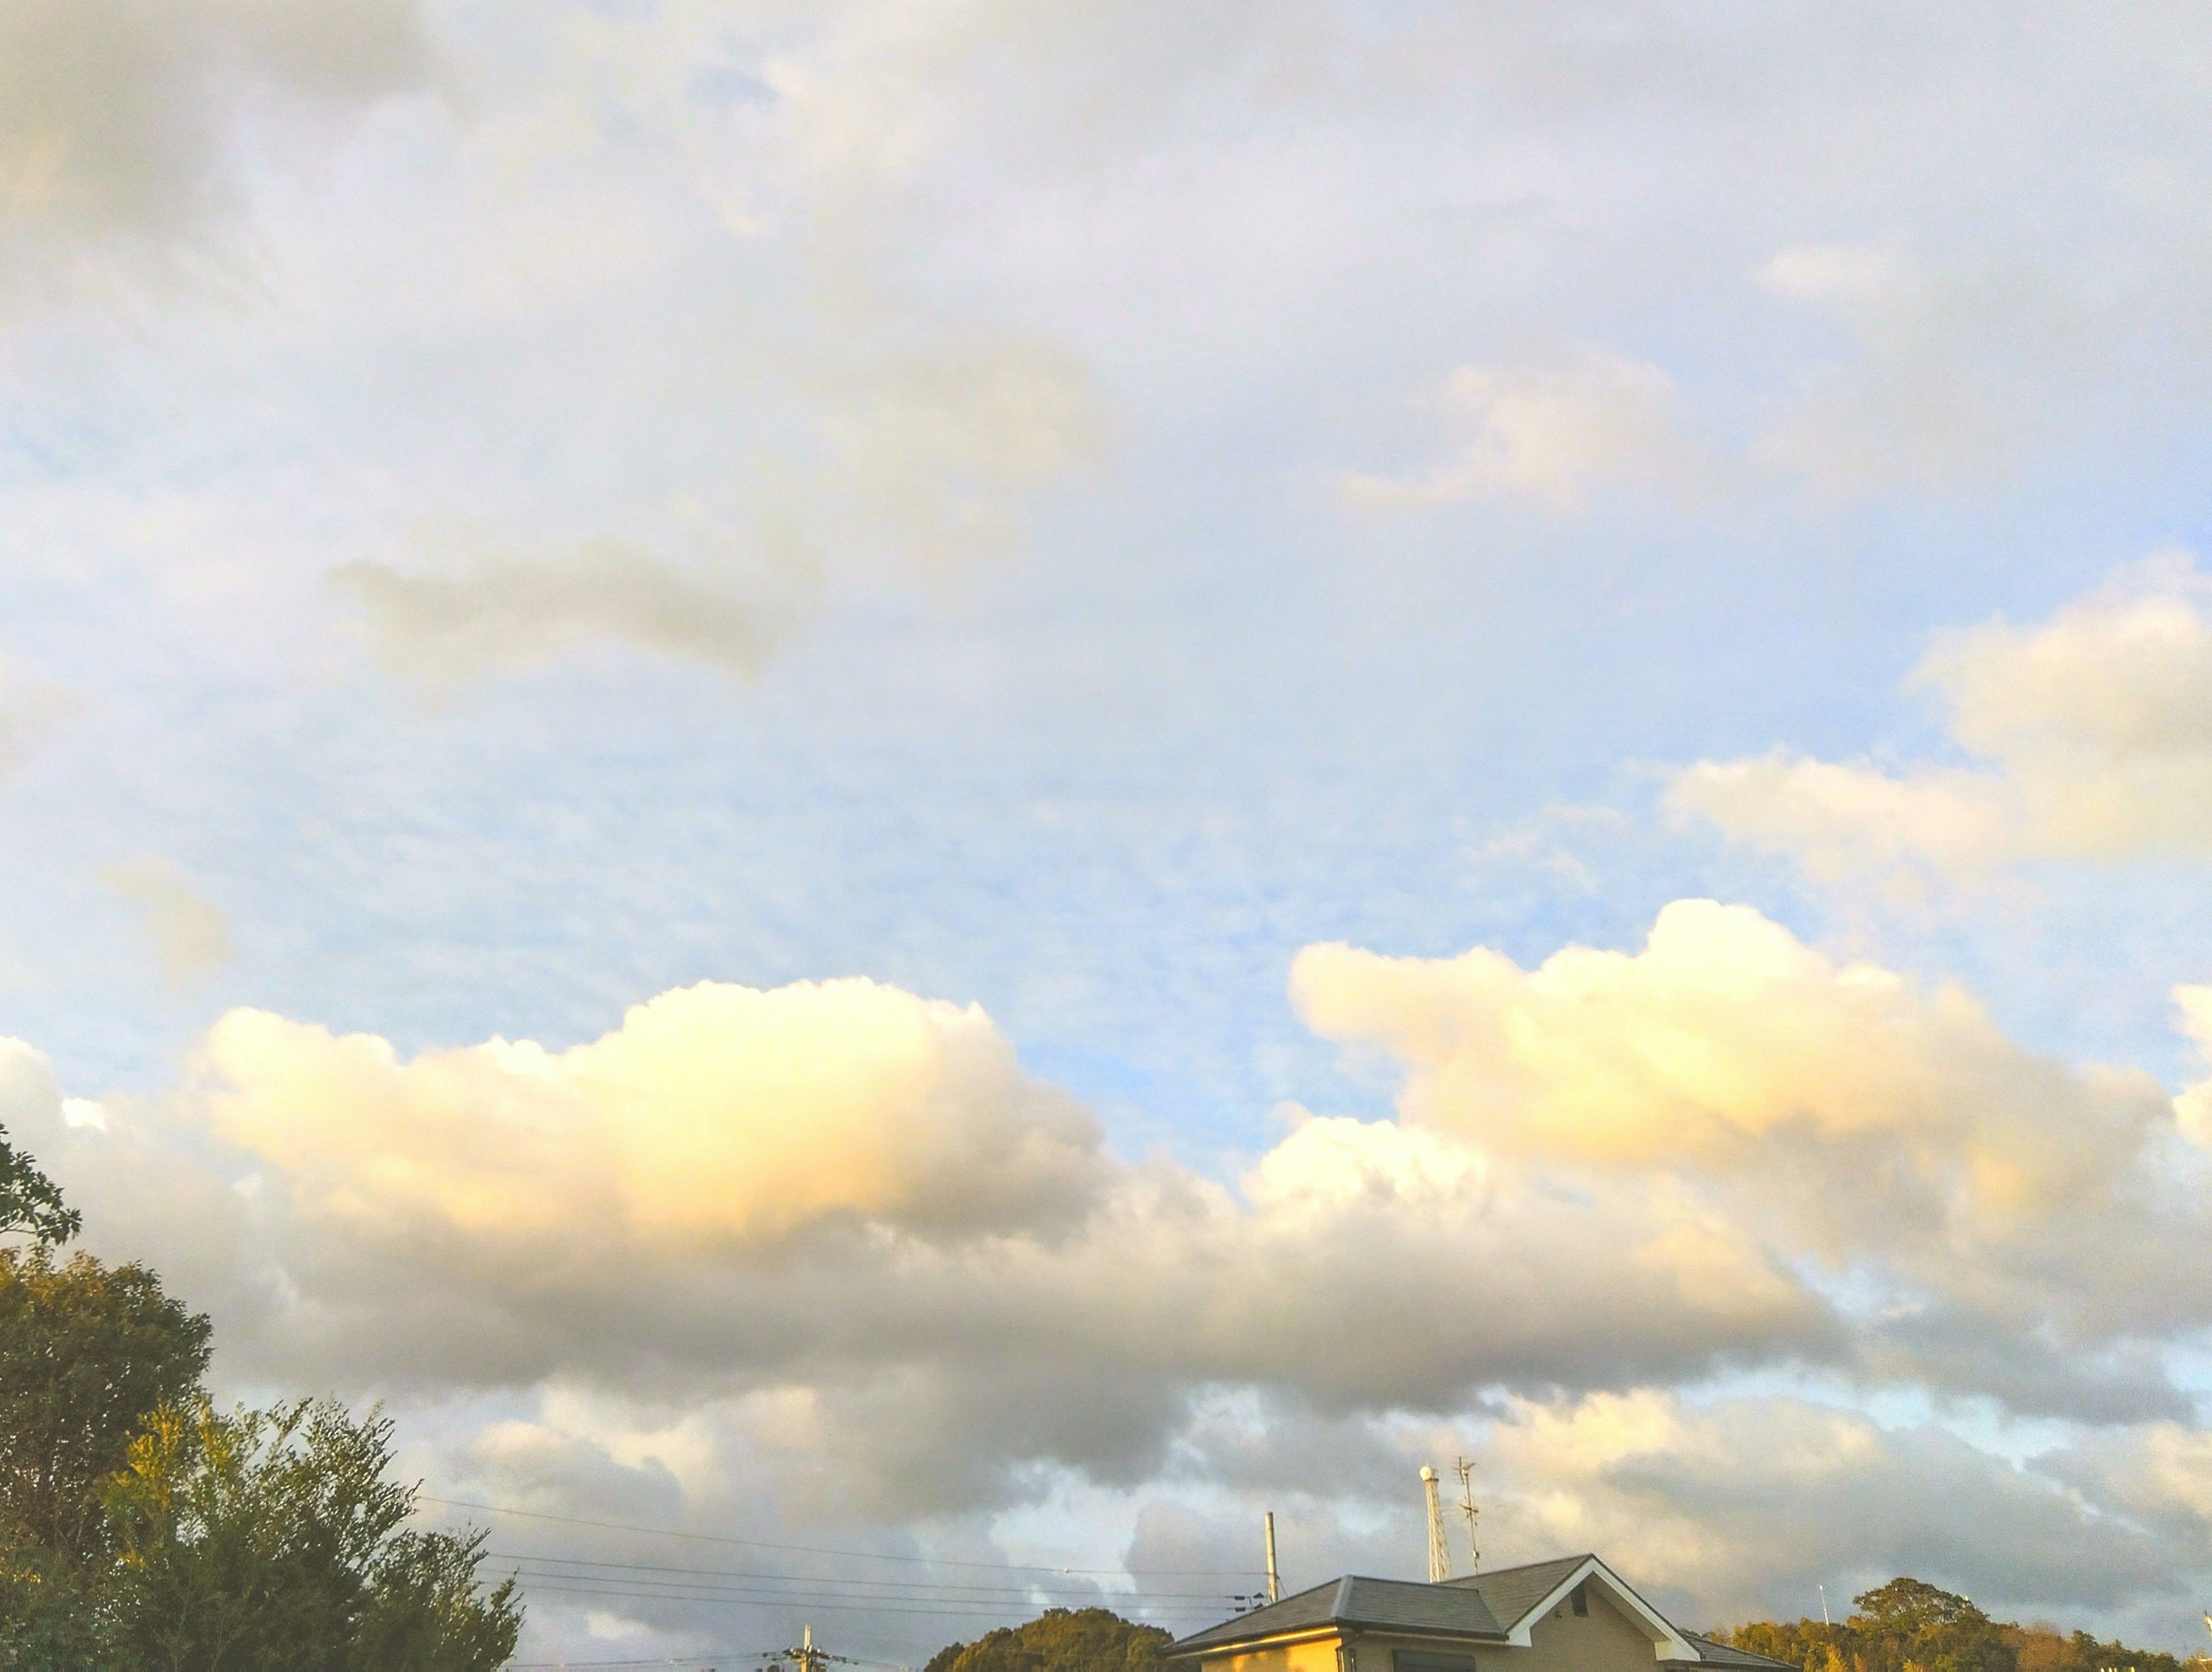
<point x="1613" y="1172"/>
<point x="116" y="116"/>
<point x="513" y="613"/>
<point x="830" y="1246"/>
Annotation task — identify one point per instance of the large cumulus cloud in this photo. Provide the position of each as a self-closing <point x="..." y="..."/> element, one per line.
<point x="845" y="1190"/>
<point x="1990" y="1215"/>
<point x="1615" y="1170"/>
<point x="830" y="1244"/>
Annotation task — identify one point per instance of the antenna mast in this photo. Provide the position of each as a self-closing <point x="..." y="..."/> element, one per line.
<point x="1465" y="1470"/>
<point x="1439" y="1557"/>
<point x="1274" y="1584"/>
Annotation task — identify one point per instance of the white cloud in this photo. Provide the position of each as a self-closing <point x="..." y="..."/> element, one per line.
<point x="1556" y="433"/>
<point x="29" y="710"/>
<point x="941" y="447"/>
<point x="2096" y="725"/>
<point x="2008" y="1213"/>
<point x="190" y="935"/>
<point x="1722" y="1037"/>
<point x="716" y="1119"/>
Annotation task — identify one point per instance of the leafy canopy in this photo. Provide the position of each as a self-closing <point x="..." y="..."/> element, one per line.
<point x="1060" y="1640"/>
<point x="274" y="1540"/>
<point x="31" y="1203"/>
<point x="1911" y="1626"/>
<point x="140" y="1529"/>
<point x="85" y="1352"/>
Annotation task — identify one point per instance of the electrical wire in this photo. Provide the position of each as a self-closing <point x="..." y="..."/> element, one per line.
<point x="818" y="1550"/>
<point x="657" y="1660"/>
<point x="683" y="1660"/>
<point x="819" y="1600"/>
<point x="633" y="1593"/>
<point x="976" y="1591"/>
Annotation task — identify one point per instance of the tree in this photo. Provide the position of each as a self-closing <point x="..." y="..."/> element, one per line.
<point x="1060" y="1640"/>
<point x="87" y="1351"/>
<point x="1910" y="1626"/>
<point x="1910" y="1623"/>
<point x="273" y="1540"/>
<point x="140" y="1529"/>
<point x="30" y="1202"/>
<point x="1913" y="1607"/>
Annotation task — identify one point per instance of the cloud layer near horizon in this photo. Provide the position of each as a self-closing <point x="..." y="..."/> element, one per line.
<point x="795" y="1212"/>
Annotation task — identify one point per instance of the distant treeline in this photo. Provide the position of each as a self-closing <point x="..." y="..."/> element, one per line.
<point x="1062" y="1640"/>
<point x="1909" y="1625"/>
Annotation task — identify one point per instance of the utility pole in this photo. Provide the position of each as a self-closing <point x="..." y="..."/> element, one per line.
<point x="1439" y="1556"/>
<point x="1274" y="1583"/>
<point x="1465" y="1470"/>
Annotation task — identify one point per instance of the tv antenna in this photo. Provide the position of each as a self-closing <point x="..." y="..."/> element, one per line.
<point x="1465" y="1470"/>
<point x="1439" y="1555"/>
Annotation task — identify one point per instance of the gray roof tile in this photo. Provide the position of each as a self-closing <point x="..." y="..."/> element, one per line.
<point x="1711" y="1653"/>
<point x="1512" y="1591"/>
<point x="1403" y="1605"/>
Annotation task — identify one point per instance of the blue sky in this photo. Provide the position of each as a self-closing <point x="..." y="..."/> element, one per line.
<point x="517" y="510"/>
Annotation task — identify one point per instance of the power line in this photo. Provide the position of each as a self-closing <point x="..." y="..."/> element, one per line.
<point x="656" y="1660"/>
<point x="817" y="1550"/>
<point x="699" y="1590"/>
<point x="582" y="1585"/>
<point x="678" y="1660"/>
<point x="976" y="1591"/>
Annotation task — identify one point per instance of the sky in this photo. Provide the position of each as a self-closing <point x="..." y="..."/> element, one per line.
<point x="906" y="799"/>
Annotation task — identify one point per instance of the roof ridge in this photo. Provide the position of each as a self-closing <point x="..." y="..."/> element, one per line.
<point x="1523" y="1568"/>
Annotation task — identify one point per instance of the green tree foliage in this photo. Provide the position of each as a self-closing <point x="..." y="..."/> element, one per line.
<point x="139" y="1528"/>
<point x="87" y="1352"/>
<point x="30" y="1203"/>
<point x="1060" y="1640"/>
<point x="1910" y="1626"/>
<point x="274" y="1540"/>
<point x="1908" y="1622"/>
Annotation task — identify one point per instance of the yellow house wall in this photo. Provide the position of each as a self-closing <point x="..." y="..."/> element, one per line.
<point x="1319" y="1657"/>
<point x="1372" y="1654"/>
<point x="1604" y="1640"/>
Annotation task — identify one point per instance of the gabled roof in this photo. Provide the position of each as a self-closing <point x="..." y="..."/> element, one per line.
<point x="1500" y="1607"/>
<point x="1410" y="1606"/>
<point x="1513" y="1592"/>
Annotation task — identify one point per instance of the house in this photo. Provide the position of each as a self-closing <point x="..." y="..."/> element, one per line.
<point x="1570" y="1614"/>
